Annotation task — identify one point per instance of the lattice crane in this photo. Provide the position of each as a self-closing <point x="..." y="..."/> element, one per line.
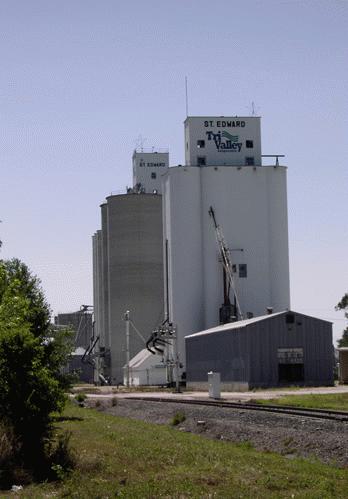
<point x="228" y="312"/>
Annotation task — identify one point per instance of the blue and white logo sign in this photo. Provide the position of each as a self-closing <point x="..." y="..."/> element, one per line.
<point x="224" y="141"/>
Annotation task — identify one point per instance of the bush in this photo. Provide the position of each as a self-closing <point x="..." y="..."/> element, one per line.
<point x="178" y="418"/>
<point x="80" y="398"/>
<point x="31" y="356"/>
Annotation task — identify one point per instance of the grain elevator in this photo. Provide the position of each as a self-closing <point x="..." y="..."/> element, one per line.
<point x="128" y="264"/>
<point x="199" y="246"/>
<point x="224" y="170"/>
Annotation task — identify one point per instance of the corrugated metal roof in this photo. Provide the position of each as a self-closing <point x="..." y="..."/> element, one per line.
<point x="79" y="351"/>
<point x="236" y="325"/>
<point x="141" y="357"/>
<point x="240" y="324"/>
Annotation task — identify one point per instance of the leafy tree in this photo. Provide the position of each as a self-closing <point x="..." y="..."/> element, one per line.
<point x="31" y="355"/>
<point x="343" y="305"/>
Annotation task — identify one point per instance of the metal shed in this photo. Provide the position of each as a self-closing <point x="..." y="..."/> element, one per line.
<point x="146" y="369"/>
<point x="285" y="348"/>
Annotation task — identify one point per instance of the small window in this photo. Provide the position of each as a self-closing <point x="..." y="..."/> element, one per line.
<point x="243" y="270"/>
<point x="234" y="268"/>
<point x="290" y="318"/>
<point x="249" y="161"/>
<point x="187" y="146"/>
<point x="201" y="161"/>
<point x="249" y="144"/>
<point x="153" y="175"/>
<point x="200" y="144"/>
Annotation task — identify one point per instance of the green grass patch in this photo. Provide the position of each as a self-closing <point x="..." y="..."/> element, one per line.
<point x="178" y="418"/>
<point x="334" y="401"/>
<point x="119" y="457"/>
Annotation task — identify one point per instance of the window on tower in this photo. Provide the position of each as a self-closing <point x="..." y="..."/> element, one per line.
<point x="201" y="161"/>
<point x="249" y="161"/>
<point x="200" y="144"/>
<point x="243" y="272"/>
<point x="249" y="144"/>
<point x="153" y="175"/>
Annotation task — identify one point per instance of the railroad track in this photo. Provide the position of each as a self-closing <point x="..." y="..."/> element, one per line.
<point x="276" y="409"/>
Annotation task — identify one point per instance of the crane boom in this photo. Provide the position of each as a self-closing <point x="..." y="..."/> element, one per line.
<point x="227" y="267"/>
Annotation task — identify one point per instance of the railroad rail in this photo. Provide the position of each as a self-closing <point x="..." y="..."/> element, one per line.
<point x="327" y="414"/>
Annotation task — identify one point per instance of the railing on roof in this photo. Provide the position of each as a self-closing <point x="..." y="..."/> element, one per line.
<point x="153" y="150"/>
<point x="276" y="156"/>
<point x="117" y="193"/>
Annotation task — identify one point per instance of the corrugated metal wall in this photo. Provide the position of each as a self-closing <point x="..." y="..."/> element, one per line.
<point x="250" y="354"/>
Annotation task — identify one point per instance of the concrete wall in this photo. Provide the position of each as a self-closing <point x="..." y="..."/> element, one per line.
<point x="105" y="304"/>
<point x="251" y="207"/>
<point x="231" y="132"/>
<point x="183" y="229"/>
<point x="132" y="272"/>
<point x="149" y="164"/>
<point x="98" y="284"/>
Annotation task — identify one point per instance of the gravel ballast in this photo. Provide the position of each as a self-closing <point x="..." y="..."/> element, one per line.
<point x="288" y="435"/>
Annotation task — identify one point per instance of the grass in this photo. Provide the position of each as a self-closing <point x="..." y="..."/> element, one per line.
<point x="334" y="401"/>
<point x="118" y="457"/>
<point x="178" y="418"/>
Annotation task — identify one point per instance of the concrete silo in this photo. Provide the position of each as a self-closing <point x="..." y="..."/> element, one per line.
<point x="128" y="274"/>
<point x="224" y="171"/>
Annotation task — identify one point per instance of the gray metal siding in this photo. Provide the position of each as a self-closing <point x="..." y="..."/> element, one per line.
<point x="249" y="354"/>
<point x="226" y="352"/>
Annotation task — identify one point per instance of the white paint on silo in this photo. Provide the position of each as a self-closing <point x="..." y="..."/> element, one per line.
<point x="223" y="158"/>
<point x="148" y="168"/>
<point x="221" y="140"/>
<point x="251" y="208"/>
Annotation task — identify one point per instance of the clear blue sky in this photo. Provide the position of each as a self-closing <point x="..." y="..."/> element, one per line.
<point x="80" y="80"/>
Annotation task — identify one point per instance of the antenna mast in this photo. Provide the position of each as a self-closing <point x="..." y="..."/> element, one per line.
<point x="186" y="96"/>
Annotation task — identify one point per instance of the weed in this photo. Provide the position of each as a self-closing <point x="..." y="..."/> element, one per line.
<point x="114" y="401"/>
<point x="245" y="444"/>
<point x="62" y="457"/>
<point x="8" y="447"/>
<point x="80" y="398"/>
<point x="178" y="418"/>
<point x="288" y="441"/>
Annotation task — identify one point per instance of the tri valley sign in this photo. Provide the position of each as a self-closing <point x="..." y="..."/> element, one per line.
<point x="224" y="141"/>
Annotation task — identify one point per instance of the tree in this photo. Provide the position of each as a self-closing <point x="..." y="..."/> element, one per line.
<point x="31" y="355"/>
<point x="343" y="305"/>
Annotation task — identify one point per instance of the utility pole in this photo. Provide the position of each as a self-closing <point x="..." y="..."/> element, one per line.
<point x="164" y="341"/>
<point x="176" y="360"/>
<point x="126" y="318"/>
